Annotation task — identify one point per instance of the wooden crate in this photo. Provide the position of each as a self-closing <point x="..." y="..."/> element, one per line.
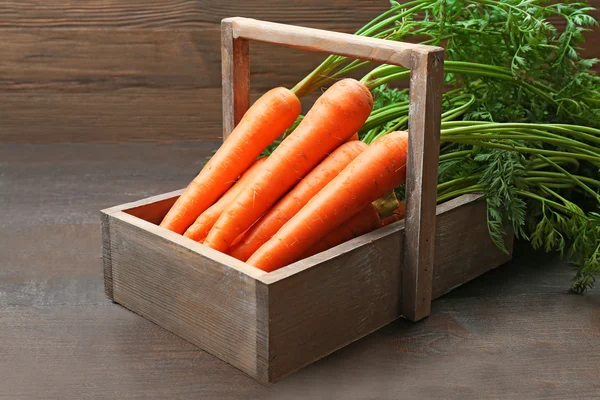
<point x="271" y="324"/>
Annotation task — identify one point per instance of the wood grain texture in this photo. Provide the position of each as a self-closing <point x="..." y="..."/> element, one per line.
<point x="54" y="50"/>
<point x="203" y="301"/>
<point x="426" y="81"/>
<point x="497" y="347"/>
<point x="327" y="41"/>
<point x="131" y="115"/>
<point x="327" y="301"/>
<point x="153" y="213"/>
<point x="346" y="294"/>
<point x="104" y="351"/>
<point x="513" y="333"/>
<point x="180" y="14"/>
<point x="462" y="234"/>
<point x="107" y="256"/>
<point x="303" y="311"/>
<point x="152" y="210"/>
<point x="235" y="70"/>
<point x="149" y="71"/>
<point x="106" y="61"/>
<point x="123" y="86"/>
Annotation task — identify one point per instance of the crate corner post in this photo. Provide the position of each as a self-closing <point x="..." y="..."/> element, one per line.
<point x="235" y="71"/>
<point x="427" y="74"/>
<point x="106" y="254"/>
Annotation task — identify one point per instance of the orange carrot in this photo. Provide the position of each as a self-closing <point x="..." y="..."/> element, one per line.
<point x="268" y="118"/>
<point x="334" y="117"/>
<point x="207" y="219"/>
<point x="396" y="216"/>
<point x="296" y="198"/>
<point x="353" y="137"/>
<point x="375" y="172"/>
<point x="238" y="239"/>
<point x="365" y="221"/>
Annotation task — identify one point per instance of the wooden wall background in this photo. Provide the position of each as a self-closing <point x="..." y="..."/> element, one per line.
<point x="143" y="70"/>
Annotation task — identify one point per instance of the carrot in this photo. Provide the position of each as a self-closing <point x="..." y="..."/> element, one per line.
<point x="268" y="118"/>
<point x="396" y="216"/>
<point x="334" y="117"/>
<point x="365" y="221"/>
<point x="238" y="239"/>
<point x="296" y="198"/>
<point x="207" y="219"/>
<point x="354" y="137"/>
<point x="375" y="172"/>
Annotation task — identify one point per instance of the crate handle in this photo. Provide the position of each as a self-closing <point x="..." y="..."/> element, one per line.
<point x="424" y="119"/>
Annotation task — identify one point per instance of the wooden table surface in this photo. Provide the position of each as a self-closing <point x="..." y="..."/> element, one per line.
<point x="513" y="333"/>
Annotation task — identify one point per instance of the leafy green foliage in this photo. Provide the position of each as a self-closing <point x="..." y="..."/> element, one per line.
<point x="385" y="96"/>
<point x="549" y="209"/>
<point x="585" y="253"/>
<point x="463" y="166"/>
<point x="517" y="34"/>
<point x="502" y="178"/>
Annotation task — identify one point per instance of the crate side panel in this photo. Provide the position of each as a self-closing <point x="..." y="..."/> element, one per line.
<point x="201" y="300"/>
<point x="262" y="332"/>
<point x="463" y="248"/>
<point x="106" y="255"/>
<point x="153" y="212"/>
<point x="323" y="308"/>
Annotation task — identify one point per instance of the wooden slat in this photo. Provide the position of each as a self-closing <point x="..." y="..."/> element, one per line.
<point x="127" y="115"/>
<point x="358" y="280"/>
<point x="346" y="294"/>
<point x="155" y="212"/>
<point x="181" y="14"/>
<point x="107" y="257"/>
<point x="124" y="86"/>
<point x="427" y="76"/>
<point x="235" y="70"/>
<point x="210" y="304"/>
<point x="462" y="234"/>
<point x="190" y="245"/>
<point x="51" y="47"/>
<point x="365" y="48"/>
<point x="324" y="302"/>
<point x="104" y="60"/>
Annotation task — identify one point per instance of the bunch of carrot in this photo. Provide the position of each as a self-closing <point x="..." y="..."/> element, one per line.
<point x="313" y="192"/>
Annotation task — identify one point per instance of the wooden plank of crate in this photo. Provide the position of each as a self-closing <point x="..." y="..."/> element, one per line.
<point x="427" y="75"/>
<point x="235" y="67"/>
<point x="358" y="280"/>
<point x="327" y="301"/>
<point x="106" y="256"/>
<point x="155" y="211"/>
<point x="324" y="302"/>
<point x="207" y="298"/>
<point x="426" y="64"/>
<point x="463" y="247"/>
<point x="343" y="44"/>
